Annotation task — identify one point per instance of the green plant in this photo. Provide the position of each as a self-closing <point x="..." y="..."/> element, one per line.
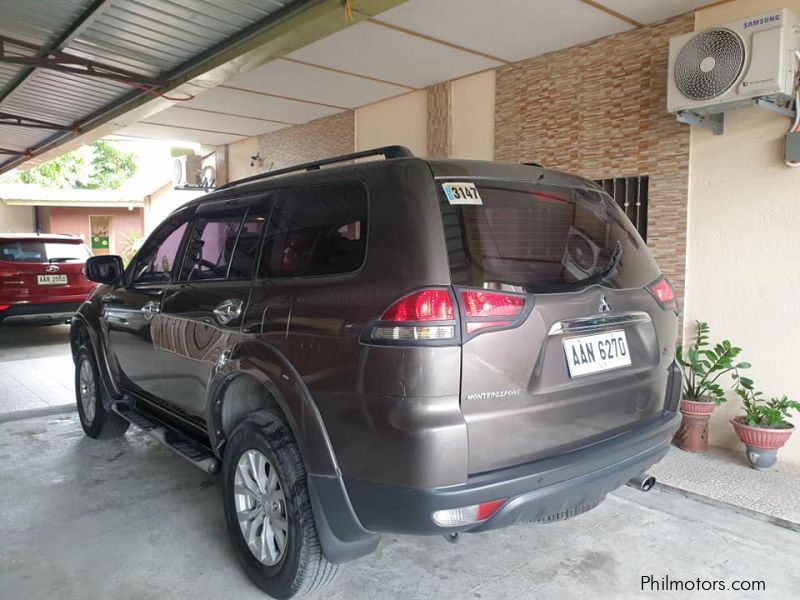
<point x="133" y="241"/>
<point x="770" y="414"/>
<point x="99" y="165"/>
<point x="703" y="365"/>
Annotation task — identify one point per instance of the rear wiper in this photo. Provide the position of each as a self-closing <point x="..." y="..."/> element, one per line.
<point x="603" y="275"/>
<point x="616" y="256"/>
<point x="62" y="259"/>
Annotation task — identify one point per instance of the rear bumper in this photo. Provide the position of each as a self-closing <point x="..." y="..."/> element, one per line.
<point x="547" y="489"/>
<point x="39" y="314"/>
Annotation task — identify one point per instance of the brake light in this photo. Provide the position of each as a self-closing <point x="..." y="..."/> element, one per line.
<point x="426" y="315"/>
<point x="427" y="305"/>
<point x="481" y="309"/>
<point x="661" y="289"/>
<point x="491" y="304"/>
<point x="4" y="307"/>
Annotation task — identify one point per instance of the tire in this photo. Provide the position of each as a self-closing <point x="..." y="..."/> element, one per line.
<point x="97" y="422"/>
<point x="300" y="567"/>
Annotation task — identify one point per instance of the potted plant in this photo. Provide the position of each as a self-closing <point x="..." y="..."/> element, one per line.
<point x="764" y="428"/>
<point x="703" y="364"/>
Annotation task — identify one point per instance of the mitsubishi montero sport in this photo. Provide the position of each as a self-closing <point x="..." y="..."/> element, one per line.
<point x="387" y="346"/>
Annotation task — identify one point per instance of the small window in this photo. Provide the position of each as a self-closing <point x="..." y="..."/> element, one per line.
<point x="34" y="251"/>
<point x="210" y="248"/>
<point x="156" y="260"/>
<point x="316" y="230"/>
<point x="631" y="194"/>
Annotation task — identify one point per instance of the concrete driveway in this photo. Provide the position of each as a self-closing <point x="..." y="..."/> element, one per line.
<point x="36" y="370"/>
<point x="126" y="519"/>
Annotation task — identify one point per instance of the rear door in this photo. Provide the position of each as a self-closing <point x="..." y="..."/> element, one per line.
<point x="563" y="344"/>
<point x="202" y="311"/>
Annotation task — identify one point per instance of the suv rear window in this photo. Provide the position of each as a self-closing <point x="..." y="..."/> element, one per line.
<point x="540" y="238"/>
<point x="35" y="251"/>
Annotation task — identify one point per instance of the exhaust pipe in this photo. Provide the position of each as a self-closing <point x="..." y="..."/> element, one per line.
<point x="644" y="482"/>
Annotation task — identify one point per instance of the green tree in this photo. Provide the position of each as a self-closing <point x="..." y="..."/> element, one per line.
<point x="100" y="165"/>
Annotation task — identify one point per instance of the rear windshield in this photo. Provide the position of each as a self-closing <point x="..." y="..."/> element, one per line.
<point x="536" y="238"/>
<point x="35" y="251"/>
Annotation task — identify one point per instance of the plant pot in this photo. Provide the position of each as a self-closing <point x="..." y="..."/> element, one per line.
<point x="692" y="435"/>
<point x="762" y="443"/>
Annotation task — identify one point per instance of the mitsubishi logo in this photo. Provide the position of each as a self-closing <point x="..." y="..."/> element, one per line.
<point x="52" y="268"/>
<point x="604" y="306"/>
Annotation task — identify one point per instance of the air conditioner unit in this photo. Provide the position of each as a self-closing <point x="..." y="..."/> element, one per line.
<point x="187" y="171"/>
<point x="730" y="65"/>
<point x="580" y="255"/>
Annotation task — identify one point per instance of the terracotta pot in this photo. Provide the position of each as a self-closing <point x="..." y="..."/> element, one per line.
<point x="762" y="443"/>
<point x="692" y="435"/>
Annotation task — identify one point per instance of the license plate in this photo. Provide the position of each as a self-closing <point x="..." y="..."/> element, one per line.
<point x="51" y="279"/>
<point x="595" y="353"/>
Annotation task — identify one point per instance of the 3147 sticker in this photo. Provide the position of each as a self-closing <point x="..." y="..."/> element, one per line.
<point x="462" y="192"/>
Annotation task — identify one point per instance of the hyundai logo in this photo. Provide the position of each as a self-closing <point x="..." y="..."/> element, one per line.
<point x="52" y="268"/>
<point x="604" y="306"/>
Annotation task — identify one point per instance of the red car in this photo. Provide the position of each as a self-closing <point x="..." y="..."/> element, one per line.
<point x="41" y="277"/>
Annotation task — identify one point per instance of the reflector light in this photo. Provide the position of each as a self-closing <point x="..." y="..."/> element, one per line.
<point x="487" y="509"/>
<point x="664" y="293"/>
<point x="456" y="517"/>
<point x="491" y="304"/>
<point x="425" y="305"/>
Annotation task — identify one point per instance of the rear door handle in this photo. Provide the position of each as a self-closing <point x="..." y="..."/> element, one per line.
<point x="150" y="310"/>
<point x="228" y="311"/>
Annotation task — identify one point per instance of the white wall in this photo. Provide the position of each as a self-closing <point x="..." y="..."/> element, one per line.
<point x="473" y="116"/>
<point x="15" y="219"/>
<point x="743" y="272"/>
<point x="401" y="120"/>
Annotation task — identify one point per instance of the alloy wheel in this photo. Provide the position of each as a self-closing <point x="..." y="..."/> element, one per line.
<point x="260" y="507"/>
<point x="87" y="390"/>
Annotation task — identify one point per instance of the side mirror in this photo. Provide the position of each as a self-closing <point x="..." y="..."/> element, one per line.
<point x="104" y="269"/>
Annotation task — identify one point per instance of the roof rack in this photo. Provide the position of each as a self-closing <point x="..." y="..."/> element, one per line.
<point x="388" y="152"/>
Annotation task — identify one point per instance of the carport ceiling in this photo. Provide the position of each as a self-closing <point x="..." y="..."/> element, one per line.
<point x="409" y="47"/>
<point x="66" y="64"/>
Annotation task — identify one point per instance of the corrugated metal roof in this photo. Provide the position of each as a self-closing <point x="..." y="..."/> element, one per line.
<point x="151" y="38"/>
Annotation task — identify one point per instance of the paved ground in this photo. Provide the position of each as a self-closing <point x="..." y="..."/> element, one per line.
<point x="726" y="476"/>
<point x="126" y="519"/>
<point x="36" y="369"/>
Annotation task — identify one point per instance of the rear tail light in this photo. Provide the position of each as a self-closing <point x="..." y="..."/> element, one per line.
<point x="430" y="315"/>
<point x="482" y="309"/>
<point x="426" y="315"/>
<point x="468" y="515"/>
<point x="426" y="305"/>
<point x="4" y="307"/>
<point x="661" y="289"/>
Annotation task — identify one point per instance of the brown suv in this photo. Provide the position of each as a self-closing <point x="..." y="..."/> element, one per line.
<point x="400" y="345"/>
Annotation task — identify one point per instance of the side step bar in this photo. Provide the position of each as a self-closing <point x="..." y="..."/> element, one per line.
<point x="177" y="442"/>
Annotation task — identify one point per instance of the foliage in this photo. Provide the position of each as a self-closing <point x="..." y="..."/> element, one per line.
<point x="100" y="165"/>
<point x="703" y="365"/>
<point x="771" y="414"/>
<point x="133" y="241"/>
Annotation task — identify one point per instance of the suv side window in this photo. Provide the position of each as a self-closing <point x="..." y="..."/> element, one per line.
<point x="223" y="247"/>
<point x="156" y="260"/>
<point x="316" y="230"/>
<point x="210" y="247"/>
